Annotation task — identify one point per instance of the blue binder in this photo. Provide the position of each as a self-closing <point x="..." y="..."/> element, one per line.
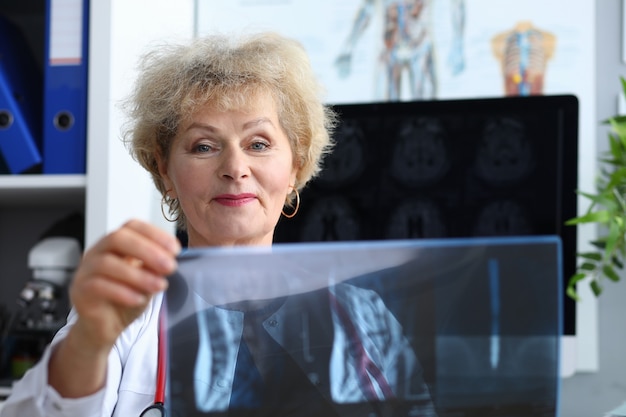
<point x="65" y="87"/>
<point x="20" y="101"/>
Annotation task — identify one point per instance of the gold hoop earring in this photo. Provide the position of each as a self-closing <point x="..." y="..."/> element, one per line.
<point x="166" y="200"/>
<point x="289" y="216"/>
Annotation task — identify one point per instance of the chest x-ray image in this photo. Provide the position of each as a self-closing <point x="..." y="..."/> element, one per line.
<point x="419" y="328"/>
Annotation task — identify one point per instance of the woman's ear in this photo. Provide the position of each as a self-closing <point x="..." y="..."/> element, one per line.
<point x="294" y="175"/>
<point x="167" y="182"/>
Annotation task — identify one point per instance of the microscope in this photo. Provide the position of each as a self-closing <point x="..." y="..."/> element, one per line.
<point x="43" y="303"/>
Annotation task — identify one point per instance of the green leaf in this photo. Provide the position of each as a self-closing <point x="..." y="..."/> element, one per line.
<point x="616" y="179"/>
<point x="600" y="243"/>
<point x="619" y="118"/>
<point x="617" y="262"/>
<point x="596" y="198"/>
<point x="571" y="285"/>
<point x="593" y="256"/>
<point x="615" y="146"/>
<point x="571" y="293"/>
<point x="608" y="161"/>
<point x="612" y="239"/>
<point x="601" y="216"/>
<point x="610" y="273"/>
<point x="618" y="123"/>
<point x="620" y="199"/>
<point x="595" y="287"/>
<point x="576" y="278"/>
<point x="588" y="266"/>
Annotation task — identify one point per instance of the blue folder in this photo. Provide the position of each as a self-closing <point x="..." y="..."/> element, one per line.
<point x="65" y="87"/>
<point x="20" y="101"/>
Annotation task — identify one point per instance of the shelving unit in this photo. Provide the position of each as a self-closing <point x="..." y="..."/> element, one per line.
<point x="31" y="203"/>
<point x="115" y="188"/>
<point x="48" y="190"/>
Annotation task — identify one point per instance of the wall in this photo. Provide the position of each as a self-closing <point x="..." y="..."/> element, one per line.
<point x="593" y="394"/>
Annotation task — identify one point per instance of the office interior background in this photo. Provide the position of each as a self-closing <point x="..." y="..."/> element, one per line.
<point x="119" y="30"/>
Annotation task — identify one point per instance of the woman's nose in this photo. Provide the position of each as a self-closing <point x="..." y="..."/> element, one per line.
<point x="234" y="164"/>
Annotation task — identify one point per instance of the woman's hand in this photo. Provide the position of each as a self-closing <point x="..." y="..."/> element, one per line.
<point x="117" y="277"/>
<point x="111" y="287"/>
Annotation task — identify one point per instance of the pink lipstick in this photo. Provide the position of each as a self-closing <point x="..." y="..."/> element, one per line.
<point x="234" y="200"/>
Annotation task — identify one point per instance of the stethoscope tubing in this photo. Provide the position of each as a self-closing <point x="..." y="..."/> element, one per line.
<point x="158" y="408"/>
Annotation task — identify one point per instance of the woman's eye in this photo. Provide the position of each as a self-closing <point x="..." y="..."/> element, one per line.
<point x="259" y="146"/>
<point x="203" y="148"/>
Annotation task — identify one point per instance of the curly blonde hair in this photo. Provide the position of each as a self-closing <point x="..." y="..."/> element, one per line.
<point x="225" y="72"/>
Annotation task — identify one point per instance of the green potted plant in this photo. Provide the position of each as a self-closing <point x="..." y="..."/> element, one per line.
<point x="608" y="211"/>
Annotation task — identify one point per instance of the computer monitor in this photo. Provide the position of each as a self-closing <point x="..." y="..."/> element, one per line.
<point x="449" y="168"/>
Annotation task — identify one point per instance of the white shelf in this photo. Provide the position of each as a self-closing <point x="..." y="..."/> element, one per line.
<point x="42" y="190"/>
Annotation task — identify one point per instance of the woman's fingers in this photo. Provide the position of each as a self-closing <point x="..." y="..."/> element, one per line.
<point x="127" y="279"/>
<point x="144" y="245"/>
<point x="155" y="235"/>
<point x="119" y="274"/>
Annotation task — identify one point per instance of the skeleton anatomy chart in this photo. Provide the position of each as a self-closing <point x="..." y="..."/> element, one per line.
<point x="523" y="53"/>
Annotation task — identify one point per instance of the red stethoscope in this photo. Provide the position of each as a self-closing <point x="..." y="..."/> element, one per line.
<point x="157" y="409"/>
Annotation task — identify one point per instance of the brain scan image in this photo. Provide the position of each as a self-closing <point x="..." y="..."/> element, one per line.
<point x="502" y="218"/>
<point x="346" y="161"/>
<point x="419" y="155"/>
<point x="331" y="218"/>
<point x="504" y="155"/>
<point x="416" y="219"/>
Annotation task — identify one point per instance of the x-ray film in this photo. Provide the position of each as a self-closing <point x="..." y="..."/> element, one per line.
<point x="433" y="328"/>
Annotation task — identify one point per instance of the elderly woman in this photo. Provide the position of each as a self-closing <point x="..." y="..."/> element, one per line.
<point x="230" y="131"/>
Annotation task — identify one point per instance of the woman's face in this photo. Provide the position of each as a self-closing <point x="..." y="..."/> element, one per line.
<point x="231" y="172"/>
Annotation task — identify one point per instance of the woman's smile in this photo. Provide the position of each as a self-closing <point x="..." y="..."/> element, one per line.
<point x="234" y="200"/>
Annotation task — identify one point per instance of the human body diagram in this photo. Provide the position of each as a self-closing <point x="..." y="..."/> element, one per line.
<point x="408" y="53"/>
<point x="523" y="53"/>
